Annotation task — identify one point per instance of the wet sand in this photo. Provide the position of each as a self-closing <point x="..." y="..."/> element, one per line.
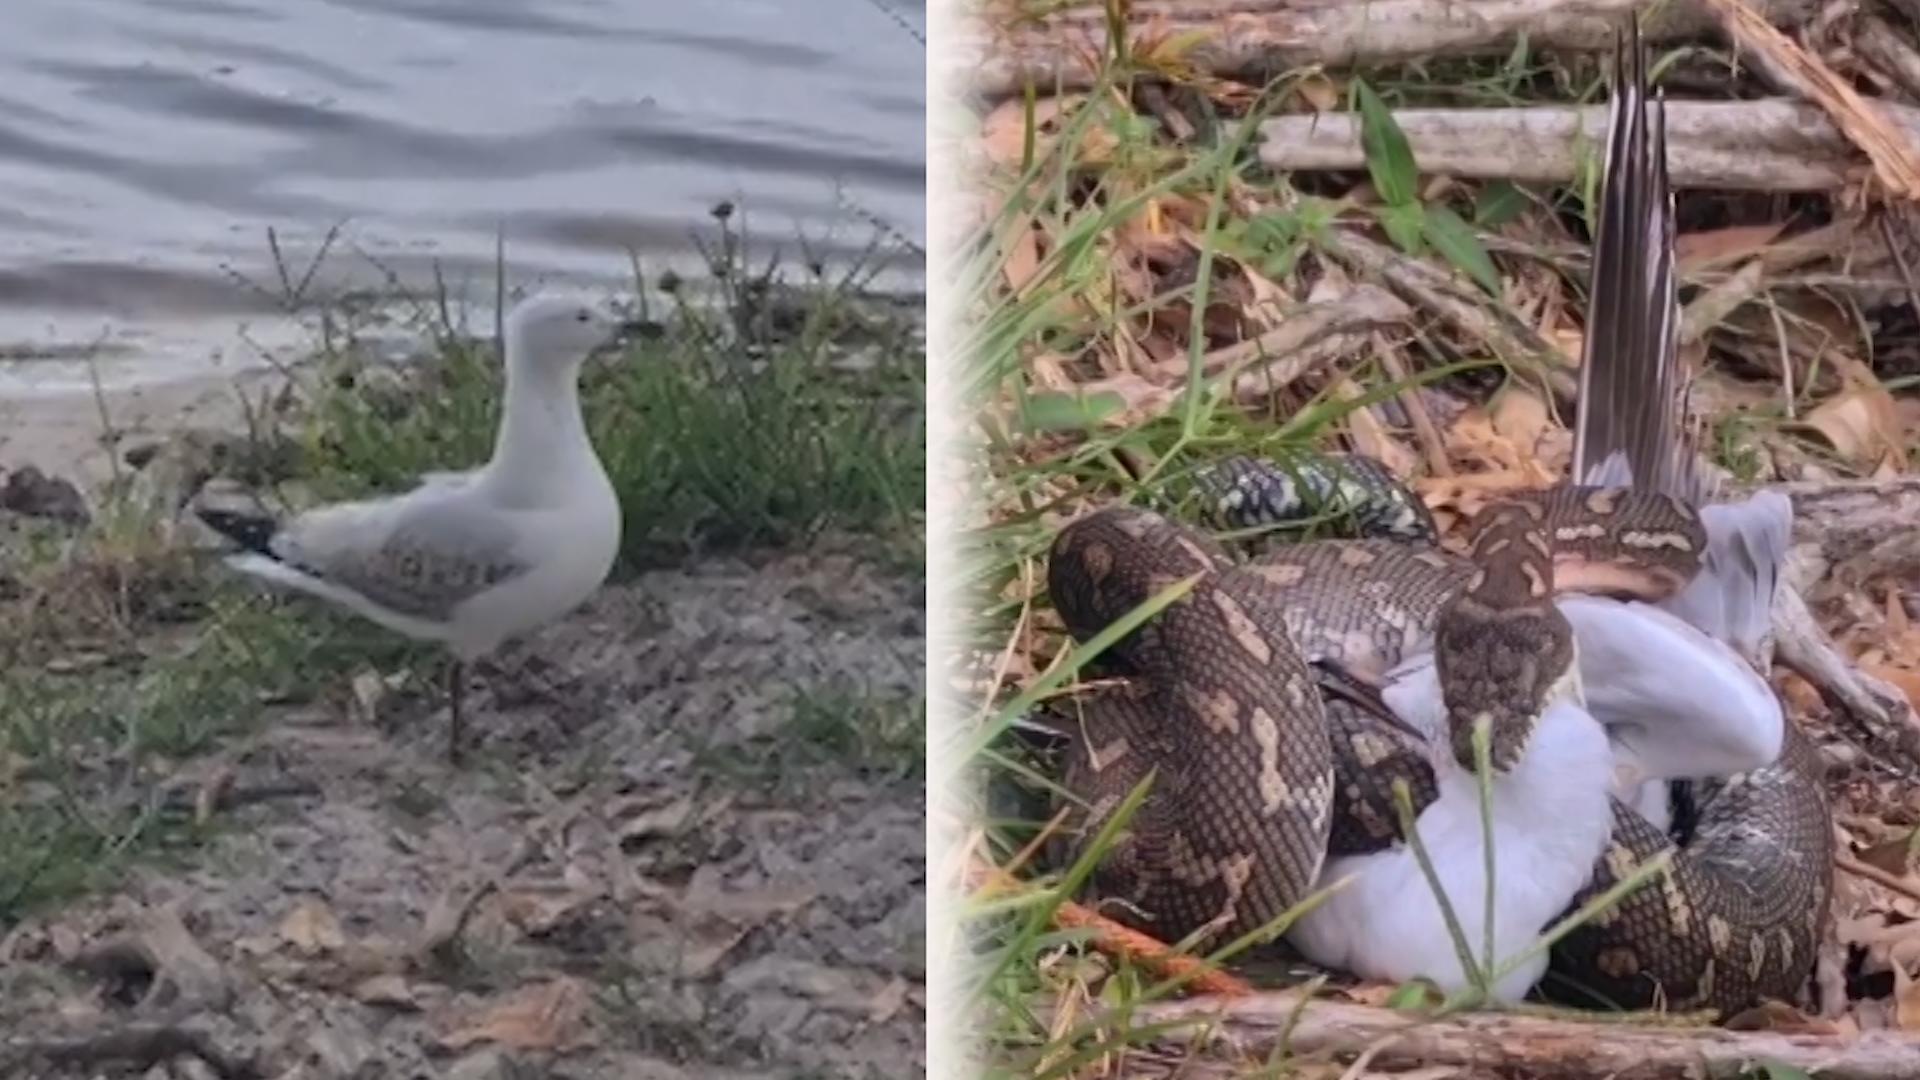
<point x="63" y="432"/>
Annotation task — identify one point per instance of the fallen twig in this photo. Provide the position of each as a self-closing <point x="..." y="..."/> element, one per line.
<point x="1364" y="308"/>
<point x="1768" y="145"/>
<point x="1516" y="1044"/>
<point x="163" y="953"/>
<point x="1002" y="52"/>
<point x="1125" y="943"/>
<point x="1421" y="284"/>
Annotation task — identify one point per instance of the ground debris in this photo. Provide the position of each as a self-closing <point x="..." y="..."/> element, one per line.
<point x="401" y="918"/>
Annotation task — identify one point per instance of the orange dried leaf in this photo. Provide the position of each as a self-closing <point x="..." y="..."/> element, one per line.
<point x="545" y="1016"/>
<point x="1722" y="247"/>
<point x="1861" y="422"/>
<point x="1906" y="1000"/>
<point x="1907" y="681"/>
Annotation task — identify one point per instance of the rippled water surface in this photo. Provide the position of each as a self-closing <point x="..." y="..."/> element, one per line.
<point x="146" y="146"/>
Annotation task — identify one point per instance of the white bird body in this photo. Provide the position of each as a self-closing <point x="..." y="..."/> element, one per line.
<point x="471" y="559"/>
<point x="1551" y="820"/>
<point x="1676" y="703"/>
<point x="1663" y="700"/>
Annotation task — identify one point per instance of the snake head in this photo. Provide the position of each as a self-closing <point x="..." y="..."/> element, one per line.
<point x="1507" y="665"/>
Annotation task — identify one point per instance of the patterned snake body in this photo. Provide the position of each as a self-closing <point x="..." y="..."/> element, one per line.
<point x="1736" y="920"/>
<point x="1221" y="707"/>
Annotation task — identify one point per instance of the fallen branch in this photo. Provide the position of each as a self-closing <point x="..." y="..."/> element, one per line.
<point x="1895" y="153"/>
<point x="1863" y="529"/>
<point x="161" y="952"/>
<point x="1001" y="53"/>
<point x="1515" y="1044"/>
<point x="1769" y="145"/>
<point x="1847" y="533"/>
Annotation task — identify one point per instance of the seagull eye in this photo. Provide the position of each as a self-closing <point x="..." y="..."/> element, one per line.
<point x="582" y="315"/>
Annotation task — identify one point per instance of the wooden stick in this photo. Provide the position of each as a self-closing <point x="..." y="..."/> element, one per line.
<point x="1247" y="1029"/>
<point x="1767" y="145"/>
<point x="998" y="54"/>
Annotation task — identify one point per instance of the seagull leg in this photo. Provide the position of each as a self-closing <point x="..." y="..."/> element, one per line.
<point x="456" y="685"/>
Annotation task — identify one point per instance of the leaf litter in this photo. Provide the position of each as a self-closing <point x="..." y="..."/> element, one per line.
<point x="645" y="873"/>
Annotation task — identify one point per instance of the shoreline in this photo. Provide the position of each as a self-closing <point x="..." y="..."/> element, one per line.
<point x="60" y="432"/>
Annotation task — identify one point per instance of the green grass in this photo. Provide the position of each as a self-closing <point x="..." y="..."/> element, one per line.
<point x="90" y="752"/>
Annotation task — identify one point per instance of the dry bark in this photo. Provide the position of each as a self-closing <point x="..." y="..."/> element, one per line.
<point x="1862" y="529"/>
<point x="1519" y="1045"/>
<point x="1000" y="52"/>
<point x="1893" y="149"/>
<point x="1771" y="145"/>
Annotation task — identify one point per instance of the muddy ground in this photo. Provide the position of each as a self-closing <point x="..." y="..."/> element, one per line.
<point x="688" y="843"/>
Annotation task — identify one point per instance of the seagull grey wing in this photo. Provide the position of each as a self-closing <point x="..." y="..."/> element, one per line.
<point x="438" y="554"/>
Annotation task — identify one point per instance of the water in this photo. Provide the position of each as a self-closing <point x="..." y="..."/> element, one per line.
<point x="146" y="147"/>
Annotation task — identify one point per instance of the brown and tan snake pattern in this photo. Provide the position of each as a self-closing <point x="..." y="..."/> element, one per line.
<point x="1734" y="921"/>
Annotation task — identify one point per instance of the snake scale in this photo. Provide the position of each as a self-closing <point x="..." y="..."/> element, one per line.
<point x="1736" y="919"/>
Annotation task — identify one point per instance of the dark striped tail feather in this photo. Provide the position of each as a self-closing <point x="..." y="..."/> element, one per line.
<point x="254" y="532"/>
<point x="1632" y="384"/>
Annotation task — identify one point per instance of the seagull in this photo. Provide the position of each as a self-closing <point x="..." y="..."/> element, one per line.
<point x="470" y="559"/>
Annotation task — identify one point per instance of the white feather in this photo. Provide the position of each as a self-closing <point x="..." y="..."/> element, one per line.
<point x="1551" y="820"/>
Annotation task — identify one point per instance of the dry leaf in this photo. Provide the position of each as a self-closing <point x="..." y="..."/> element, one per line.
<point x="387" y="990"/>
<point x="1522" y="419"/>
<point x="1003" y="134"/>
<point x="1906" y="1000"/>
<point x="1369" y="436"/>
<point x="369" y="690"/>
<point x="1713" y="248"/>
<point x="1860" y="422"/>
<point x="1800" y="696"/>
<point x="889" y="1001"/>
<point x="1022" y="260"/>
<point x="664" y="820"/>
<point x="709" y="944"/>
<point x="537" y="910"/>
<point x="545" y="1016"/>
<point x="311" y="927"/>
<point x="1318" y="91"/>
<point x="1782" y="1017"/>
<point x="751" y="907"/>
<point x="1907" y="682"/>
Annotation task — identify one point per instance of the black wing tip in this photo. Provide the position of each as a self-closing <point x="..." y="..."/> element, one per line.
<point x="254" y="532"/>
